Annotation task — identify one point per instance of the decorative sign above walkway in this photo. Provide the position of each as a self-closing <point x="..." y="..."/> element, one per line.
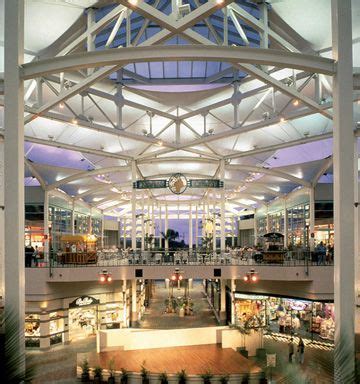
<point x="178" y="183"/>
<point x="83" y="301"/>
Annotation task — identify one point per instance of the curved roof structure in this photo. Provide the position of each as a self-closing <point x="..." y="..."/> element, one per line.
<point x="233" y="90"/>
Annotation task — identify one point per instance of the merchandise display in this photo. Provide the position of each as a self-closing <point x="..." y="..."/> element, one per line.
<point x="82" y="321"/>
<point x="285" y="315"/>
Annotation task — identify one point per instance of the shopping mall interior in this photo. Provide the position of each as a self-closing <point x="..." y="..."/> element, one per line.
<point x="179" y="190"/>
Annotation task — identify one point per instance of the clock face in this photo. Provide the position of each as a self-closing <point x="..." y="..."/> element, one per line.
<point x="178" y="183"/>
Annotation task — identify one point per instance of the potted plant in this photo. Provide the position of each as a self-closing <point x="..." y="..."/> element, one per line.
<point x="224" y="379"/>
<point x="97" y="371"/>
<point x="182" y="376"/>
<point x="124" y="376"/>
<point x="85" y="376"/>
<point x="163" y="378"/>
<point x="144" y="373"/>
<point x="111" y="367"/>
<point x="207" y="376"/>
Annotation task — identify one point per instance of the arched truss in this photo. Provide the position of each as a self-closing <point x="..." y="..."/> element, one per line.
<point x="86" y="174"/>
<point x="242" y="57"/>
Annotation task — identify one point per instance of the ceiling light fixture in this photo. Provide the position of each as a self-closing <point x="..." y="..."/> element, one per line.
<point x="295" y="102"/>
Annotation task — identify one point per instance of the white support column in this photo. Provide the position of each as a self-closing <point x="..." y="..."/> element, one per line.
<point x="119" y="100"/>
<point x="223" y="300"/>
<point x="226" y="26"/>
<point x="124" y="232"/>
<point x="232" y="231"/>
<point x="73" y="218"/>
<point x="235" y="103"/>
<point x="142" y="223"/>
<point x="190" y="228"/>
<point x="102" y="231"/>
<point x="128" y="27"/>
<point x="160" y="226"/>
<point x="133" y="206"/>
<point x="90" y="41"/>
<point x="312" y="218"/>
<point x="286" y="222"/>
<point x="196" y="226"/>
<point x="120" y="229"/>
<point x="344" y="356"/>
<point x="255" y="229"/>
<point x="46" y="227"/>
<point x="214" y="226"/>
<point x="14" y="183"/>
<point x="268" y="229"/>
<point x="134" y="313"/>
<point x="222" y="208"/>
<point x="233" y="289"/>
<point x="90" y="222"/>
<point x="2" y="223"/>
<point x="45" y="330"/>
<point x="39" y="92"/>
<point x="166" y="226"/>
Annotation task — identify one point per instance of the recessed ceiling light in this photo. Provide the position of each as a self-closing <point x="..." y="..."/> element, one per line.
<point x="295" y="102"/>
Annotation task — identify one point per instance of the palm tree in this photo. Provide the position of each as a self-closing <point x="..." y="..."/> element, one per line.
<point x="170" y="235"/>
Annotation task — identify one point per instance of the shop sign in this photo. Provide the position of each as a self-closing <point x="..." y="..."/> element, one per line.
<point x="249" y="297"/>
<point x="299" y="305"/>
<point x="83" y="301"/>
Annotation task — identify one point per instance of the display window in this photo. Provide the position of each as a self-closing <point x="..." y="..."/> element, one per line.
<point x="250" y="311"/>
<point x="309" y="319"/>
<point x="56" y="328"/>
<point x="82" y="322"/>
<point x="112" y="316"/>
<point x="32" y="331"/>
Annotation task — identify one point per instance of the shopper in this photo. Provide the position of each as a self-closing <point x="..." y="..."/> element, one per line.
<point x="291" y="350"/>
<point x="29" y="251"/>
<point x="36" y="256"/>
<point x="301" y="350"/>
<point x="321" y="252"/>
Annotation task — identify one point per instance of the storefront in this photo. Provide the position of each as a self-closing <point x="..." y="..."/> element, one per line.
<point x="83" y="317"/>
<point x="309" y="319"/>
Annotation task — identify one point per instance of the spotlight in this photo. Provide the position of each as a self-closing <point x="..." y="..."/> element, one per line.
<point x="61" y="105"/>
<point x="105" y="277"/>
<point x="282" y="120"/>
<point x="74" y="121"/>
<point x="295" y="102"/>
<point x="219" y="1"/>
<point x="133" y="2"/>
<point x="251" y="277"/>
<point x="180" y="277"/>
<point x="173" y="277"/>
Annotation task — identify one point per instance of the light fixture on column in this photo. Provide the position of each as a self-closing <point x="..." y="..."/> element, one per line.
<point x="105" y="277"/>
<point x="251" y="277"/>
<point x="177" y="275"/>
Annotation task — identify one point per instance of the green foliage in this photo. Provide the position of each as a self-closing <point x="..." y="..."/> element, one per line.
<point x="10" y="358"/>
<point x="111" y="367"/>
<point x="207" y="376"/>
<point x="163" y="378"/>
<point x="97" y="371"/>
<point x="182" y="376"/>
<point x="224" y="379"/>
<point x="124" y="376"/>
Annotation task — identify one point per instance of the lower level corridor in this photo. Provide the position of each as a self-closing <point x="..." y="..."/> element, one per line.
<point x="156" y="317"/>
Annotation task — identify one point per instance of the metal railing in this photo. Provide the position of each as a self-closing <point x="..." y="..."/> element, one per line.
<point x="110" y="258"/>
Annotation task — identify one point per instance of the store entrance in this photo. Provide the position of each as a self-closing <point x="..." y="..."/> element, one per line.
<point x="83" y="317"/>
<point x="83" y="322"/>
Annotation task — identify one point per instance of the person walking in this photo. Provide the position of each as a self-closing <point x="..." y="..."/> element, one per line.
<point x="291" y="350"/>
<point x="301" y="350"/>
<point x="29" y="251"/>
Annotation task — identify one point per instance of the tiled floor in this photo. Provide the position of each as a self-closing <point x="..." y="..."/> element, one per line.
<point x="155" y="316"/>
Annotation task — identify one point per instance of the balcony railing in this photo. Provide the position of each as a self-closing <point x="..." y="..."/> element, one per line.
<point x="110" y="258"/>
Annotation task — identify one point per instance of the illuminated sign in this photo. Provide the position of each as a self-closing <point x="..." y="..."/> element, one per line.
<point x="83" y="301"/>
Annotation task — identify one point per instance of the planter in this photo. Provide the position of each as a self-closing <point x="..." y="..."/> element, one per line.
<point x="243" y="352"/>
<point x="85" y="377"/>
<point x="111" y="380"/>
<point x="261" y="353"/>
